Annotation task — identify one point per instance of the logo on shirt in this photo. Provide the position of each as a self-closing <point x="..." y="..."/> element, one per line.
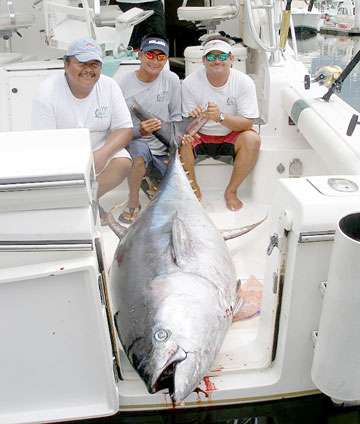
<point x="102" y="112"/>
<point x="163" y="96"/>
<point x="231" y="101"/>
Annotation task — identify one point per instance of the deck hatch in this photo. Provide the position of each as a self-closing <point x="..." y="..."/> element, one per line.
<point x="316" y="236"/>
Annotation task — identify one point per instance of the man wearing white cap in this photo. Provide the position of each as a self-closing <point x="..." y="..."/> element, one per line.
<point x="84" y="98"/>
<point x="228" y="98"/>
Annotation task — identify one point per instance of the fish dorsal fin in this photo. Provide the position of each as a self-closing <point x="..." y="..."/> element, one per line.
<point x="119" y="230"/>
<point x="237" y="232"/>
<point x="165" y="134"/>
<point x="181" y="244"/>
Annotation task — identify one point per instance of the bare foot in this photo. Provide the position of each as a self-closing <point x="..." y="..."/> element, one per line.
<point x="233" y="203"/>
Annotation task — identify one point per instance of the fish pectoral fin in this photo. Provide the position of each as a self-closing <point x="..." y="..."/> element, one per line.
<point x="238" y="304"/>
<point x="189" y="126"/>
<point x="181" y="245"/>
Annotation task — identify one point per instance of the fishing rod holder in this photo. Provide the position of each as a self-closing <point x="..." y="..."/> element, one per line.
<point x="352" y="124"/>
<point x="327" y="76"/>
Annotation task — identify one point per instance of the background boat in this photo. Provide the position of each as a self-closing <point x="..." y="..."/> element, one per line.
<point x="303" y="18"/>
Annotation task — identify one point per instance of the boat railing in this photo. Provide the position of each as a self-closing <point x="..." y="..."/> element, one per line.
<point x="273" y="25"/>
<point x="273" y="46"/>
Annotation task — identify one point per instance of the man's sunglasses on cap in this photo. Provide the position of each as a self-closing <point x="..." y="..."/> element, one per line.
<point x="151" y="55"/>
<point x="222" y="56"/>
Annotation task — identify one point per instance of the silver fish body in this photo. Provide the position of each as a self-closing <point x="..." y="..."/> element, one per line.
<point x="176" y="289"/>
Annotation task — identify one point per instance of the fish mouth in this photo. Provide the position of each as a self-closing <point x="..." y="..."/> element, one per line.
<point x="163" y="377"/>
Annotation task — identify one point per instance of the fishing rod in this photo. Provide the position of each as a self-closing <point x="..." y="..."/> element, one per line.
<point x="311" y="4"/>
<point x="336" y="85"/>
<point x="285" y="24"/>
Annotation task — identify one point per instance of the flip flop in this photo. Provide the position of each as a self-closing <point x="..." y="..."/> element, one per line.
<point x="148" y="187"/>
<point x="129" y="215"/>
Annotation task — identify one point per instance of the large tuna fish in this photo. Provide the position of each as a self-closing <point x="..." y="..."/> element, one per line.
<point x="175" y="284"/>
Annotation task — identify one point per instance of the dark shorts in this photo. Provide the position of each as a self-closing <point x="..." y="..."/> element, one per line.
<point x="155" y="164"/>
<point x="216" y="146"/>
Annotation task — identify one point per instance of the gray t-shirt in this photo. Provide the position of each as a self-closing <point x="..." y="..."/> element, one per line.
<point x="162" y="97"/>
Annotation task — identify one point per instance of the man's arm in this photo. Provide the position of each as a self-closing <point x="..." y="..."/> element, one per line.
<point x="42" y="116"/>
<point x="117" y="140"/>
<point x="175" y="99"/>
<point x="188" y="100"/>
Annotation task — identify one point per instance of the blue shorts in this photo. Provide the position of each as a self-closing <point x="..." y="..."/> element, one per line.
<point x="155" y="164"/>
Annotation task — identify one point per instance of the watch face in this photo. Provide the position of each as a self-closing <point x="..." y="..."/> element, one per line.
<point x="222" y="117"/>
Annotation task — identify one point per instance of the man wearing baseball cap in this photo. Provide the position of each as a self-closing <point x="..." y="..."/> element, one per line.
<point x="158" y="91"/>
<point x="228" y="99"/>
<point x="84" y="98"/>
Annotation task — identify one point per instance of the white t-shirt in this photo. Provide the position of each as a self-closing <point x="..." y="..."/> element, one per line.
<point x="102" y="111"/>
<point x="161" y="97"/>
<point x="236" y="97"/>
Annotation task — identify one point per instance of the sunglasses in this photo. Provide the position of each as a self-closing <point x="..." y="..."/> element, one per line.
<point x="222" y="56"/>
<point x="159" y="56"/>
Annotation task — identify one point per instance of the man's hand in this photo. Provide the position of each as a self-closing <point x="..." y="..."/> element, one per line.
<point x="100" y="159"/>
<point x="148" y="126"/>
<point x="213" y="112"/>
<point x="198" y="111"/>
<point x="187" y="139"/>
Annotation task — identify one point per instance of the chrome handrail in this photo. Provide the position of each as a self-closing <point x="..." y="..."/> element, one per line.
<point x="273" y="48"/>
<point x="11" y="11"/>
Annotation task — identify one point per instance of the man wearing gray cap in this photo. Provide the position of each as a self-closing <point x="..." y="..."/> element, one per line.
<point x="84" y="98"/>
<point x="228" y="99"/>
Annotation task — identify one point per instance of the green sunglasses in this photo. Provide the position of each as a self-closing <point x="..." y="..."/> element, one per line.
<point x="222" y="56"/>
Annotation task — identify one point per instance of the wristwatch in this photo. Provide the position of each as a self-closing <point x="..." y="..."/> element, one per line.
<point x="222" y="117"/>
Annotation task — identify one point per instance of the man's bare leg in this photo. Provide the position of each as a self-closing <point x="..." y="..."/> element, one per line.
<point x="187" y="157"/>
<point x="113" y="175"/>
<point x="247" y="148"/>
<point x="137" y="173"/>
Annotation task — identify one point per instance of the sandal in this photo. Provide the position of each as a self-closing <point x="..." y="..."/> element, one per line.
<point x="129" y="215"/>
<point x="148" y="187"/>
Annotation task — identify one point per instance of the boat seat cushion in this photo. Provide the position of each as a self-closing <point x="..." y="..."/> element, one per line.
<point x="108" y="14"/>
<point x="22" y="20"/>
<point x="206" y="13"/>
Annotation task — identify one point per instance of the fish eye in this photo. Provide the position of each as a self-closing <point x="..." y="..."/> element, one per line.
<point x="161" y="335"/>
